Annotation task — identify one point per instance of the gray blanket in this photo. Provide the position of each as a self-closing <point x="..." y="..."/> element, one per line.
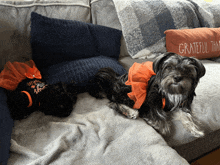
<point x="93" y="134"/>
<point x="144" y="21"/>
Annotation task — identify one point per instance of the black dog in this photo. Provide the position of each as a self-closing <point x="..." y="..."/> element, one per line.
<point x="33" y="94"/>
<point x="175" y="82"/>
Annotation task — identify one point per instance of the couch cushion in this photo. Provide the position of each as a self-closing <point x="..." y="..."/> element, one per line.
<point x="15" y="23"/>
<point x="104" y="13"/>
<point x="56" y="40"/>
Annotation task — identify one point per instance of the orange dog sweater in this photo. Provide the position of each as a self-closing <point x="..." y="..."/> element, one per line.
<point x="138" y="77"/>
<point x="16" y="72"/>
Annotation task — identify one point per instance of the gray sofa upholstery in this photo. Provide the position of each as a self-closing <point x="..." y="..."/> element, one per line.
<point x="180" y="147"/>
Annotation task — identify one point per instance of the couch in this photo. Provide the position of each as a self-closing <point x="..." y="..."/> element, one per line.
<point x="95" y="133"/>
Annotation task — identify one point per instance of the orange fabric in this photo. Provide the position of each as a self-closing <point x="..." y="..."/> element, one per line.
<point x="14" y="73"/>
<point x="138" y="77"/>
<point x="199" y="42"/>
<point x="29" y="98"/>
<point x="163" y="102"/>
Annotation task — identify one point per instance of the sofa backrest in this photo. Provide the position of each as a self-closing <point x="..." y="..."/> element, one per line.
<point x="103" y="13"/>
<point x="15" y="23"/>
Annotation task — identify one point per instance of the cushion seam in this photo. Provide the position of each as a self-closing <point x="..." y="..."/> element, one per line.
<point x="51" y="4"/>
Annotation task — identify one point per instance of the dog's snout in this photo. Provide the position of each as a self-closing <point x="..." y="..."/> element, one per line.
<point x="177" y="78"/>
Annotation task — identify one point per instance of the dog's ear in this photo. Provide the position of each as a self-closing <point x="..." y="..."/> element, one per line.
<point x="159" y="61"/>
<point x="199" y="67"/>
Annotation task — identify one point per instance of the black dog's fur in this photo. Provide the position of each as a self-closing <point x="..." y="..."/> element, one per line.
<point x="54" y="100"/>
<point x="176" y="79"/>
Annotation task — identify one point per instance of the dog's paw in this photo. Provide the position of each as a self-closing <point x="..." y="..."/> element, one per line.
<point x="125" y="110"/>
<point x="133" y="115"/>
<point x="129" y="112"/>
<point x="197" y="133"/>
<point x="189" y="122"/>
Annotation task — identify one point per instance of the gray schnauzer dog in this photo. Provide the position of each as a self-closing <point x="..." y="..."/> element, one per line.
<point x="174" y="82"/>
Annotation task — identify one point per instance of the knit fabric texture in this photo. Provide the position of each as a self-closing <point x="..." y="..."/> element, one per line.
<point x="55" y="40"/>
<point x="81" y="70"/>
<point x="66" y="50"/>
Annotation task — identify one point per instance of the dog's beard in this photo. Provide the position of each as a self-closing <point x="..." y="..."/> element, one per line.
<point x="176" y="99"/>
<point x="176" y="92"/>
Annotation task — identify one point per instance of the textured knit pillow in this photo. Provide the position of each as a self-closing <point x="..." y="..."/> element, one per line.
<point x="199" y="42"/>
<point x="81" y="70"/>
<point x="6" y="124"/>
<point x="56" y="40"/>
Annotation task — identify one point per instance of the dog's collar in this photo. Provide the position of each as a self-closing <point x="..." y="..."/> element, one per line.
<point x="167" y="105"/>
<point x="33" y="87"/>
<point x="163" y="102"/>
<point x="138" y="77"/>
<point x="29" y="98"/>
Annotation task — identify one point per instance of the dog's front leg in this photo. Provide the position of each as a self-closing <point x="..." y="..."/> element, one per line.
<point x="159" y="120"/>
<point x="189" y="122"/>
<point x="160" y="126"/>
<point x="125" y="110"/>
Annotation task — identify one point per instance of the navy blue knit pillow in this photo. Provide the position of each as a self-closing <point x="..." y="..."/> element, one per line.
<point x="6" y="124"/>
<point x="81" y="70"/>
<point x="56" y="40"/>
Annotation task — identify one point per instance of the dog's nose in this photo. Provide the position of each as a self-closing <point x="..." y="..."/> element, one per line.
<point x="177" y="78"/>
